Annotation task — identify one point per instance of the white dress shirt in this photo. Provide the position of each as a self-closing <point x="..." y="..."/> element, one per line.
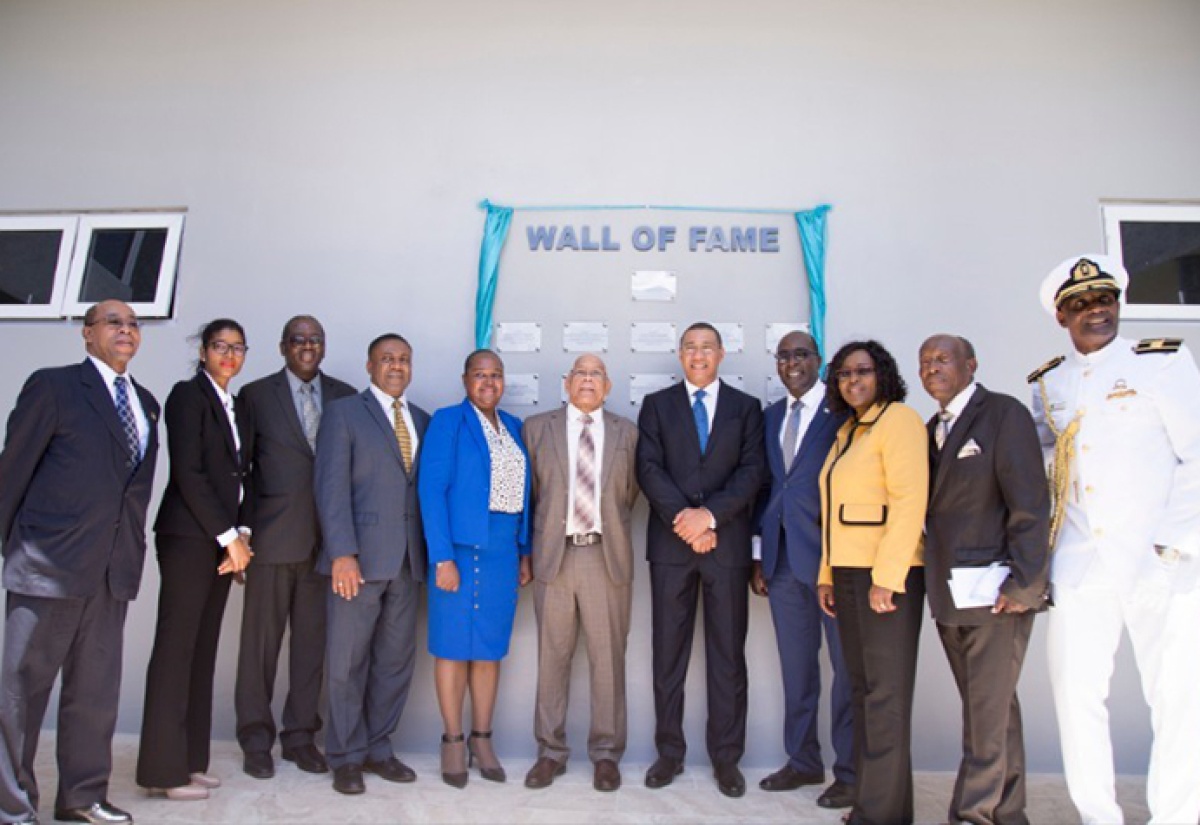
<point x="385" y="401"/>
<point x="139" y="415"/>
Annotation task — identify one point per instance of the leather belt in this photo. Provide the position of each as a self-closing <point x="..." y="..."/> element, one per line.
<point x="583" y="539"/>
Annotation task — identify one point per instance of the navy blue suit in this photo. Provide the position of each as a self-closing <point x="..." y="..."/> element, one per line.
<point x="790" y="526"/>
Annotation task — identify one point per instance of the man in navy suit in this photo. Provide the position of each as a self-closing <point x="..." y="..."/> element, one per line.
<point x="373" y="551"/>
<point x="700" y="463"/>
<point x="75" y="480"/>
<point x="283" y="589"/>
<point x="799" y="432"/>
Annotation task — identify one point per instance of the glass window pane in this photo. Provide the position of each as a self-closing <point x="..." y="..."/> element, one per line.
<point x="28" y="261"/>
<point x="123" y="264"/>
<point x="1163" y="259"/>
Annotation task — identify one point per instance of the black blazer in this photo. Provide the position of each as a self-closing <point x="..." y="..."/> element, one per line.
<point x="66" y="481"/>
<point x="675" y="475"/>
<point x="282" y="512"/>
<point x="988" y="501"/>
<point x="207" y="470"/>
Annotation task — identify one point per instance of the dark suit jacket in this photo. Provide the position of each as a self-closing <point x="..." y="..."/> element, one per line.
<point x="793" y="499"/>
<point x="675" y="475"/>
<point x="282" y="511"/>
<point x="549" y="454"/>
<point x="72" y="508"/>
<point x="993" y="505"/>
<point x="366" y="500"/>
<point x="456" y="482"/>
<point x="207" y="469"/>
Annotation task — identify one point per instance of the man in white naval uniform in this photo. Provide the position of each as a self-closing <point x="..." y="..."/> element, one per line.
<point x="1120" y="420"/>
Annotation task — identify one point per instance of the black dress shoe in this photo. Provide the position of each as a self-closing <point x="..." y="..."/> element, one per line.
<point x="258" y="764"/>
<point x="788" y="778"/>
<point x="837" y="795"/>
<point x="391" y="769"/>
<point x="348" y="779"/>
<point x="663" y="772"/>
<point x="101" y="813"/>
<point x="307" y="758"/>
<point x="730" y="780"/>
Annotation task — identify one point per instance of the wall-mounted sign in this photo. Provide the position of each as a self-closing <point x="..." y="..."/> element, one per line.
<point x="652" y="336"/>
<point x="585" y="336"/>
<point x="518" y="336"/>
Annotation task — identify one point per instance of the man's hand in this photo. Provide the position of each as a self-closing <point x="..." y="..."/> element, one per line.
<point x="237" y="557"/>
<point x="692" y="523"/>
<point x="446" y="578"/>
<point x="758" y="585"/>
<point x="347" y="577"/>
<point x="825" y="599"/>
<point x="1006" y="605"/>
<point x="706" y="543"/>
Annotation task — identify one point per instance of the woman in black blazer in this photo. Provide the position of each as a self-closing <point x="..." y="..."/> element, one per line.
<point x="201" y="547"/>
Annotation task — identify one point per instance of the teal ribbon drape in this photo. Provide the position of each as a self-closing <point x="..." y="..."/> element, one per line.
<point x="811" y="225"/>
<point x="495" y="233"/>
<point x="812" y="240"/>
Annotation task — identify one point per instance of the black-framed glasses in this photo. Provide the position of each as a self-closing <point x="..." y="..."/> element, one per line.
<point x="857" y="372"/>
<point x="224" y="348"/>
<point x="299" y="341"/>
<point x="798" y="354"/>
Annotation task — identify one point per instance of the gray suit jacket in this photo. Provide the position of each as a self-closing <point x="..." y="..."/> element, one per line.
<point x="281" y="510"/>
<point x="545" y="438"/>
<point x="72" y="505"/>
<point x="366" y="502"/>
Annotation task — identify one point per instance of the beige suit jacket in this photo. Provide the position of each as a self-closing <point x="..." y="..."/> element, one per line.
<point x="545" y="438"/>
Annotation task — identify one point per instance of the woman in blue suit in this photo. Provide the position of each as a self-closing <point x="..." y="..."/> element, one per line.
<point x="474" y="490"/>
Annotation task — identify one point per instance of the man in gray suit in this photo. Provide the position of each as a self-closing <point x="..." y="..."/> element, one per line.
<point x="584" y="488"/>
<point x="373" y="552"/>
<point x="75" y="481"/>
<point x="283" y="411"/>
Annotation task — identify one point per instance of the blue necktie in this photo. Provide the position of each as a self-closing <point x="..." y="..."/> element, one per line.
<point x="700" y="413"/>
<point x="128" y="422"/>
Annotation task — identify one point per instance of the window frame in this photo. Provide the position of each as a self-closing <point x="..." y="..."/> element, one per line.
<point x="1112" y="215"/>
<point x="68" y="225"/>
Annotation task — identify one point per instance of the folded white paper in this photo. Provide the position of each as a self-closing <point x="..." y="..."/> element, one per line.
<point x="977" y="586"/>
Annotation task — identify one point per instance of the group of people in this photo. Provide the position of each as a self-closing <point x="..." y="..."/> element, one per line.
<point x="837" y="503"/>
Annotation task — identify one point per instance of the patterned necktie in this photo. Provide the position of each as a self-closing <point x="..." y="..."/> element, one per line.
<point x="943" y="428"/>
<point x="791" y="434"/>
<point x="128" y="422"/>
<point x="700" y="413"/>
<point x="311" y="416"/>
<point x="585" y="479"/>
<point x="402" y="435"/>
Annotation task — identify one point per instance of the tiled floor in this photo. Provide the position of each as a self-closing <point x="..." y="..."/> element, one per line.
<point x="295" y="797"/>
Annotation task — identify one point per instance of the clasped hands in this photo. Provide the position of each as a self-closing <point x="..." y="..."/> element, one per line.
<point x="237" y="558"/>
<point x="694" y="525"/>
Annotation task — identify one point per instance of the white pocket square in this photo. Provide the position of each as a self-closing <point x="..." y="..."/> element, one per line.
<point x="969" y="449"/>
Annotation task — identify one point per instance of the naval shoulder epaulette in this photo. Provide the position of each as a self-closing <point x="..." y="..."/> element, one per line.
<point x="1147" y="346"/>
<point x="1045" y="368"/>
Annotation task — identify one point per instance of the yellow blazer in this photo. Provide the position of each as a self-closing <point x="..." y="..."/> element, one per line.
<point x="874" y="488"/>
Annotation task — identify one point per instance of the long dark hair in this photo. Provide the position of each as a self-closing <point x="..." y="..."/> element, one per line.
<point x="889" y="385"/>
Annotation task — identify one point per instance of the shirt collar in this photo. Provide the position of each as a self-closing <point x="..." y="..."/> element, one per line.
<point x="711" y="391"/>
<point x="295" y="382"/>
<point x="107" y="372"/>
<point x="812" y="399"/>
<point x="1101" y="355"/>
<point x="959" y="402"/>
<point x="575" y="415"/>
<point x="385" y="399"/>
<point x="225" y="397"/>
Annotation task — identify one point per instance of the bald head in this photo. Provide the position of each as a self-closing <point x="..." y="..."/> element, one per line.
<point x="947" y="365"/>
<point x="587" y="383"/>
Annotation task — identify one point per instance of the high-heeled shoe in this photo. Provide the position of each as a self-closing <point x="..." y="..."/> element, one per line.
<point x="454" y="761"/>
<point x="480" y="747"/>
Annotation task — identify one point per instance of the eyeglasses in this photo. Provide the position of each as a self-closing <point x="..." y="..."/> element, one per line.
<point x="800" y="354"/>
<point x="595" y="375"/>
<point x="298" y="341"/>
<point x="224" y="348"/>
<point x="115" y="322"/>
<point x="857" y="372"/>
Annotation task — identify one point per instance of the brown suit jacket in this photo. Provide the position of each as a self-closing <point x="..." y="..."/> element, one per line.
<point x="545" y="438"/>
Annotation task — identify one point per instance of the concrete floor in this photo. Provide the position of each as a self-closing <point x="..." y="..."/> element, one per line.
<point x="296" y="797"/>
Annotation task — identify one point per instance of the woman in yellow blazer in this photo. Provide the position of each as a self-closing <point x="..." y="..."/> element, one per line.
<point x="874" y="488"/>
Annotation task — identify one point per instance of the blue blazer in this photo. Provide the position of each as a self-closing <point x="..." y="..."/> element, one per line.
<point x="794" y="498"/>
<point x="455" y="483"/>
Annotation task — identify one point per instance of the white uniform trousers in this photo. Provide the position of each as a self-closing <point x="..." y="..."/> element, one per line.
<point x="1083" y="635"/>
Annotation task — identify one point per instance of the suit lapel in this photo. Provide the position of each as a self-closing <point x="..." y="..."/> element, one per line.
<point x="282" y="390"/>
<point x="375" y="411"/>
<point x="558" y="442"/>
<point x="218" y="409"/>
<point x="958" y="436"/>
<point x="822" y="418"/>
<point x="682" y="402"/>
<point x="610" y="452"/>
<point x="98" y="396"/>
<point x="774" y="416"/>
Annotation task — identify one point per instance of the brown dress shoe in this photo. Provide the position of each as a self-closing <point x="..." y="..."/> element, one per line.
<point x="607" y="776"/>
<point x="542" y="774"/>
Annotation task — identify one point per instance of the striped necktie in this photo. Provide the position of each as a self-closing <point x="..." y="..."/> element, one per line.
<point x="128" y="422"/>
<point x="402" y="434"/>
<point x="585" y="479"/>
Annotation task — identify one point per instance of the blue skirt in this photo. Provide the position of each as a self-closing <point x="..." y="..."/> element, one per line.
<point x="475" y="623"/>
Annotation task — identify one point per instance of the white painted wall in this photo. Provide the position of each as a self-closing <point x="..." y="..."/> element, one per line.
<point x="330" y="156"/>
